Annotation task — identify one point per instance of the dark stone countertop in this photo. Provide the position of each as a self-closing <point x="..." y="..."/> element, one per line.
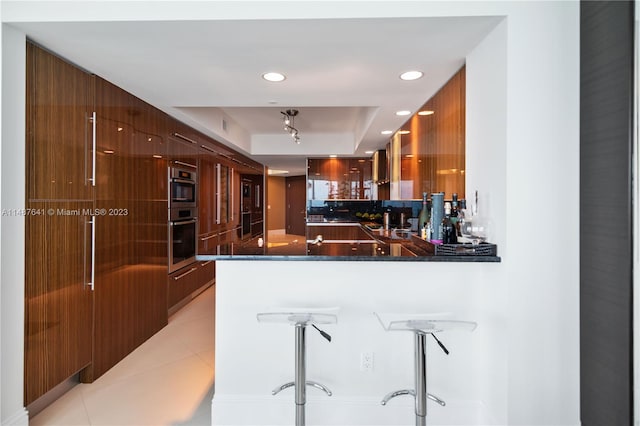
<point x="384" y="245"/>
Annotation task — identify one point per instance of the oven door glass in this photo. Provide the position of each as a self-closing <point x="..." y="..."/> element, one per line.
<point x="183" y="191"/>
<point x="182" y="244"/>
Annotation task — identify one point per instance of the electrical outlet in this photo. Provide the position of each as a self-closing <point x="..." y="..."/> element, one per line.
<point x="366" y="361"/>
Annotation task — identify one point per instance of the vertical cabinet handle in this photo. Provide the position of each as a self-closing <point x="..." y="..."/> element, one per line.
<point x="232" y="194"/>
<point x="218" y="193"/>
<point x="93" y="252"/>
<point x="93" y="149"/>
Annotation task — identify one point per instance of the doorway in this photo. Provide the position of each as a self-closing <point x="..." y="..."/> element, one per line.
<point x="296" y="208"/>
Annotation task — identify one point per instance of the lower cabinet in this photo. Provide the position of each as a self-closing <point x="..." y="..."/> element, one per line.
<point x="183" y="283"/>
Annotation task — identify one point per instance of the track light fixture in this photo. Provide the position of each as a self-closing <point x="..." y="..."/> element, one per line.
<point x="288" y="118"/>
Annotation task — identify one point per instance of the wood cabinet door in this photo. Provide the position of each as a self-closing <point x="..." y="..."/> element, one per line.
<point x="59" y="128"/>
<point x="58" y="300"/>
<point x="206" y="194"/>
<point x="131" y="231"/>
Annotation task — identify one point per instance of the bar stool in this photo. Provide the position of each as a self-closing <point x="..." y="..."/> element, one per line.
<point x="300" y="321"/>
<point x="420" y="325"/>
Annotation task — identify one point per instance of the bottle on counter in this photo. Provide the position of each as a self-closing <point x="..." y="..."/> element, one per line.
<point x="447" y="228"/>
<point x="462" y="219"/>
<point x="423" y="217"/>
<point x="437" y="212"/>
<point x="454" y="208"/>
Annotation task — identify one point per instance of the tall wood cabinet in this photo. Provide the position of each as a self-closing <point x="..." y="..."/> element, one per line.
<point x="97" y="282"/>
<point x="58" y="298"/>
<point x="131" y="238"/>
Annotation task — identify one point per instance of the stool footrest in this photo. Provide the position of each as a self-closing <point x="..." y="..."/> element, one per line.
<point x="308" y="382"/>
<point x="411" y="392"/>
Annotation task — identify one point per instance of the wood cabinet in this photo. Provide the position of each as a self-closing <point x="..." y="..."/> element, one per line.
<point x="86" y="308"/>
<point x="131" y="236"/>
<point x="340" y="179"/>
<point x="432" y="154"/>
<point x="186" y="282"/>
<point x="337" y="232"/>
<point x="58" y="299"/>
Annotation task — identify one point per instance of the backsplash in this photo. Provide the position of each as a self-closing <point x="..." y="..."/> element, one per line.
<point x="361" y="210"/>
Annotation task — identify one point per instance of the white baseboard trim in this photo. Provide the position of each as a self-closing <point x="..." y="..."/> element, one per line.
<point x="19" y="418"/>
<point x="242" y="410"/>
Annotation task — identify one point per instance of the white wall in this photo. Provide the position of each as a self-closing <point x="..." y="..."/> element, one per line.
<point x="486" y="136"/>
<point x="543" y="244"/>
<point x="12" y="155"/>
<point x="533" y="296"/>
<point x="253" y="358"/>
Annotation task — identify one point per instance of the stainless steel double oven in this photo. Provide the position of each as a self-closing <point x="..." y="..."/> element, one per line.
<point x="183" y="220"/>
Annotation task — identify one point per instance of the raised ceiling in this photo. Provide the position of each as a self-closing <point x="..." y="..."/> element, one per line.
<point x="342" y="74"/>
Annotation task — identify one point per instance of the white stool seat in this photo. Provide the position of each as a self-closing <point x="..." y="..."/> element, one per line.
<point x="293" y="318"/>
<point x="426" y="323"/>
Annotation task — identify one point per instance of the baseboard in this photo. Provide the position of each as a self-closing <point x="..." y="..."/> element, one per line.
<point x="20" y="418"/>
<point x="240" y="410"/>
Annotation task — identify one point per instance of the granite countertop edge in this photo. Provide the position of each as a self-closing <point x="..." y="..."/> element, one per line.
<point x="266" y="257"/>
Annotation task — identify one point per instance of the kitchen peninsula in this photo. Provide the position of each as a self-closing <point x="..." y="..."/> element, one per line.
<point x="316" y="275"/>
<point x="253" y="358"/>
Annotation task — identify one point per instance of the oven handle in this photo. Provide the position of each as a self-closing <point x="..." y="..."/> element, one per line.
<point x="183" y="181"/>
<point x="183" y="222"/>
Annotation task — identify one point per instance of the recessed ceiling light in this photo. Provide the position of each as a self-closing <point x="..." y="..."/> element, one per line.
<point x="386" y="132"/>
<point x="273" y="76"/>
<point x="368" y="152"/>
<point x="404" y="132"/>
<point x="411" y="75"/>
<point x="403" y="112"/>
<point x="425" y="112"/>
<point x="333" y="156"/>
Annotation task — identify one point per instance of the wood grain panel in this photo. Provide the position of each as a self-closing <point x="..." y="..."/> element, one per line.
<point x="58" y="305"/>
<point x="340" y="178"/>
<point x="131" y="244"/>
<point x="433" y="147"/>
<point x="59" y="100"/>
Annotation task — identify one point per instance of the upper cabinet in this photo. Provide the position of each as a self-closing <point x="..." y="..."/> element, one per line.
<point x="59" y="128"/>
<point x="431" y="148"/>
<point x="340" y="179"/>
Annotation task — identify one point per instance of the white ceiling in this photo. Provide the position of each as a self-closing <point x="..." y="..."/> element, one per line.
<point x="342" y="74"/>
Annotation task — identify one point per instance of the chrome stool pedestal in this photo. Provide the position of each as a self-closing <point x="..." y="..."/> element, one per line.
<point x="300" y="321"/>
<point x="421" y="327"/>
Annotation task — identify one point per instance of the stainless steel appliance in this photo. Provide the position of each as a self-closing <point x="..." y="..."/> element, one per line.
<point x="182" y="185"/>
<point x="183" y="227"/>
<point x="183" y="221"/>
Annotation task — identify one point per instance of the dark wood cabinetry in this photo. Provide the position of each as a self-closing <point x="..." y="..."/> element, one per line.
<point x="131" y="238"/>
<point x="97" y="242"/>
<point x="340" y="179"/>
<point x="58" y="298"/>
<point x="185" y="283"/>
<point x="432" y="152"/>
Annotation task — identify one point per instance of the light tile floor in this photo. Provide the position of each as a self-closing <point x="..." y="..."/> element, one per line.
<point x="168" y="380"/>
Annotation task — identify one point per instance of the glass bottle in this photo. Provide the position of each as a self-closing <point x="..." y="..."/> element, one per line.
<point x="447" y="228"/>
<point x="423" y="217"/>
